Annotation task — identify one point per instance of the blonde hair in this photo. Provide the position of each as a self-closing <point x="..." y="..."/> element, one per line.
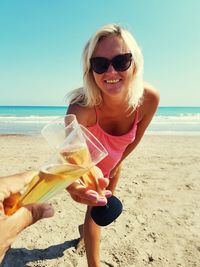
<point x="90" y="94"/>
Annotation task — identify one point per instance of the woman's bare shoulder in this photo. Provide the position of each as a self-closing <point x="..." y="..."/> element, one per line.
<point x="151" y="95"/>
<point x="150" y="92"/>
<point x="84" y="115"/>
<point x="150" y="101"/>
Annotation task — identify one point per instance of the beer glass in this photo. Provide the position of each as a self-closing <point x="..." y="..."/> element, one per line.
<point x="76" y="151"/>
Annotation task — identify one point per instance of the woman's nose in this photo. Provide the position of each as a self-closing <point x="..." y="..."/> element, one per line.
<point x="111" y="69"/>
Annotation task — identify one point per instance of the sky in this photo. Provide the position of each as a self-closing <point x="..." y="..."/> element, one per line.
<point x="41" y="43"/>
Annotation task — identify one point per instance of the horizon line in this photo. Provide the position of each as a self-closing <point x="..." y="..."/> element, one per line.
<point x="64" y="106"/>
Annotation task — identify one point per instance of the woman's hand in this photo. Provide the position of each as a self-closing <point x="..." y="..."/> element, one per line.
<point x="11" y="226"/>
<point x="90" y="189"/>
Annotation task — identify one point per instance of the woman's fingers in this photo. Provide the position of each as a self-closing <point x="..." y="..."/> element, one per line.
<point x="90" y="189"/>
<point x="103" y="182"/>
<point x="86" y="196"/>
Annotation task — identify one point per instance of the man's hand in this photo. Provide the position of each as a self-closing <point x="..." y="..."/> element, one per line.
<point x="11" y="226"/>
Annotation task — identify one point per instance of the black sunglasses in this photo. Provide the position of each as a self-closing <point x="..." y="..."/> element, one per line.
<point x="120" y="63"/>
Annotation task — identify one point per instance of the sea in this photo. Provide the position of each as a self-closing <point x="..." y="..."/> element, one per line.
<point x="29" y="120"/>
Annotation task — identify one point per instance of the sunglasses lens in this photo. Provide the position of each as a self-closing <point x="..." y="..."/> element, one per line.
<point x="122" y="62"/>
<point x="99" y="64"/>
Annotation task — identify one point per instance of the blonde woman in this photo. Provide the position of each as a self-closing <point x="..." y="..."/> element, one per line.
<point x="115" y="105"/>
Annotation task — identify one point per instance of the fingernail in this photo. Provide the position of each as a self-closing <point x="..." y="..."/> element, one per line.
<point x="102" y="201"/>
<point x="92" y="197"/>
<point x="48" y="212"/>
<point x="108" y="194"/>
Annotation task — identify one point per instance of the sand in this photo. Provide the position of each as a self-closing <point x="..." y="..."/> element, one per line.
<point x="160" y="223"/>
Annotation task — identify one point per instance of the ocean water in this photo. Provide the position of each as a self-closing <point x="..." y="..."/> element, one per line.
<point x="31" y="119"/>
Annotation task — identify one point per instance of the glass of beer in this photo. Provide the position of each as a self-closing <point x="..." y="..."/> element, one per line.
<point x="76" y="151"/>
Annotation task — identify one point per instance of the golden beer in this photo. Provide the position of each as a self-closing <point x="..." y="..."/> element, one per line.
<point x="52" y="178"/>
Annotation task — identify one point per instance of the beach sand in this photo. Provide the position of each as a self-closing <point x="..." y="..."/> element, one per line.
<point x="160" y="223"/>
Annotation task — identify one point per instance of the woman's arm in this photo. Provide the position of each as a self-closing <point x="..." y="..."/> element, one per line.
<point x="78" y="191"/>
<point x="146" y="113"/>
<point x="147" y="109"/>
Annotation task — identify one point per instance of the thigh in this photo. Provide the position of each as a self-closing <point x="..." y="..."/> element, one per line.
<point x="115" y="178"/>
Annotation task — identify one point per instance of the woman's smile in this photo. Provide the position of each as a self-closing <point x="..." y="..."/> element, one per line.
<point x="111" y="81"/>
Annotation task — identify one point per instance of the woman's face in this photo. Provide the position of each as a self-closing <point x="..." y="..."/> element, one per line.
<point x="112" y="82"/>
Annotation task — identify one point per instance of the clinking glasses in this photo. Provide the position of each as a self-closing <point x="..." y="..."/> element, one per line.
<point x="120" y="63"/>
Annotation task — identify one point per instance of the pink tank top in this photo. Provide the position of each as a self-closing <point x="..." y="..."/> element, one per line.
<point x="115" y="145"/>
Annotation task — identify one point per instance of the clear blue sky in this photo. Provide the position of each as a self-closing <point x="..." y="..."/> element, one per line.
<point x="41" y="42"/>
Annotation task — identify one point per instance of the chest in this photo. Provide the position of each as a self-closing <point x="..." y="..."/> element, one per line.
<point x="118" y="125"/>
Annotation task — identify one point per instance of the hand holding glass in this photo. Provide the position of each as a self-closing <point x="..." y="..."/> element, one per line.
<point x="76" y="152"/>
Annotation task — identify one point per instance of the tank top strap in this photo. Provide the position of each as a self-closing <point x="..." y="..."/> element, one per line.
<point x="136" y="116"/>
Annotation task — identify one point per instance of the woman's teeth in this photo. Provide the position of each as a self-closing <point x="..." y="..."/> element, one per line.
<point x="112" y="81"/>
